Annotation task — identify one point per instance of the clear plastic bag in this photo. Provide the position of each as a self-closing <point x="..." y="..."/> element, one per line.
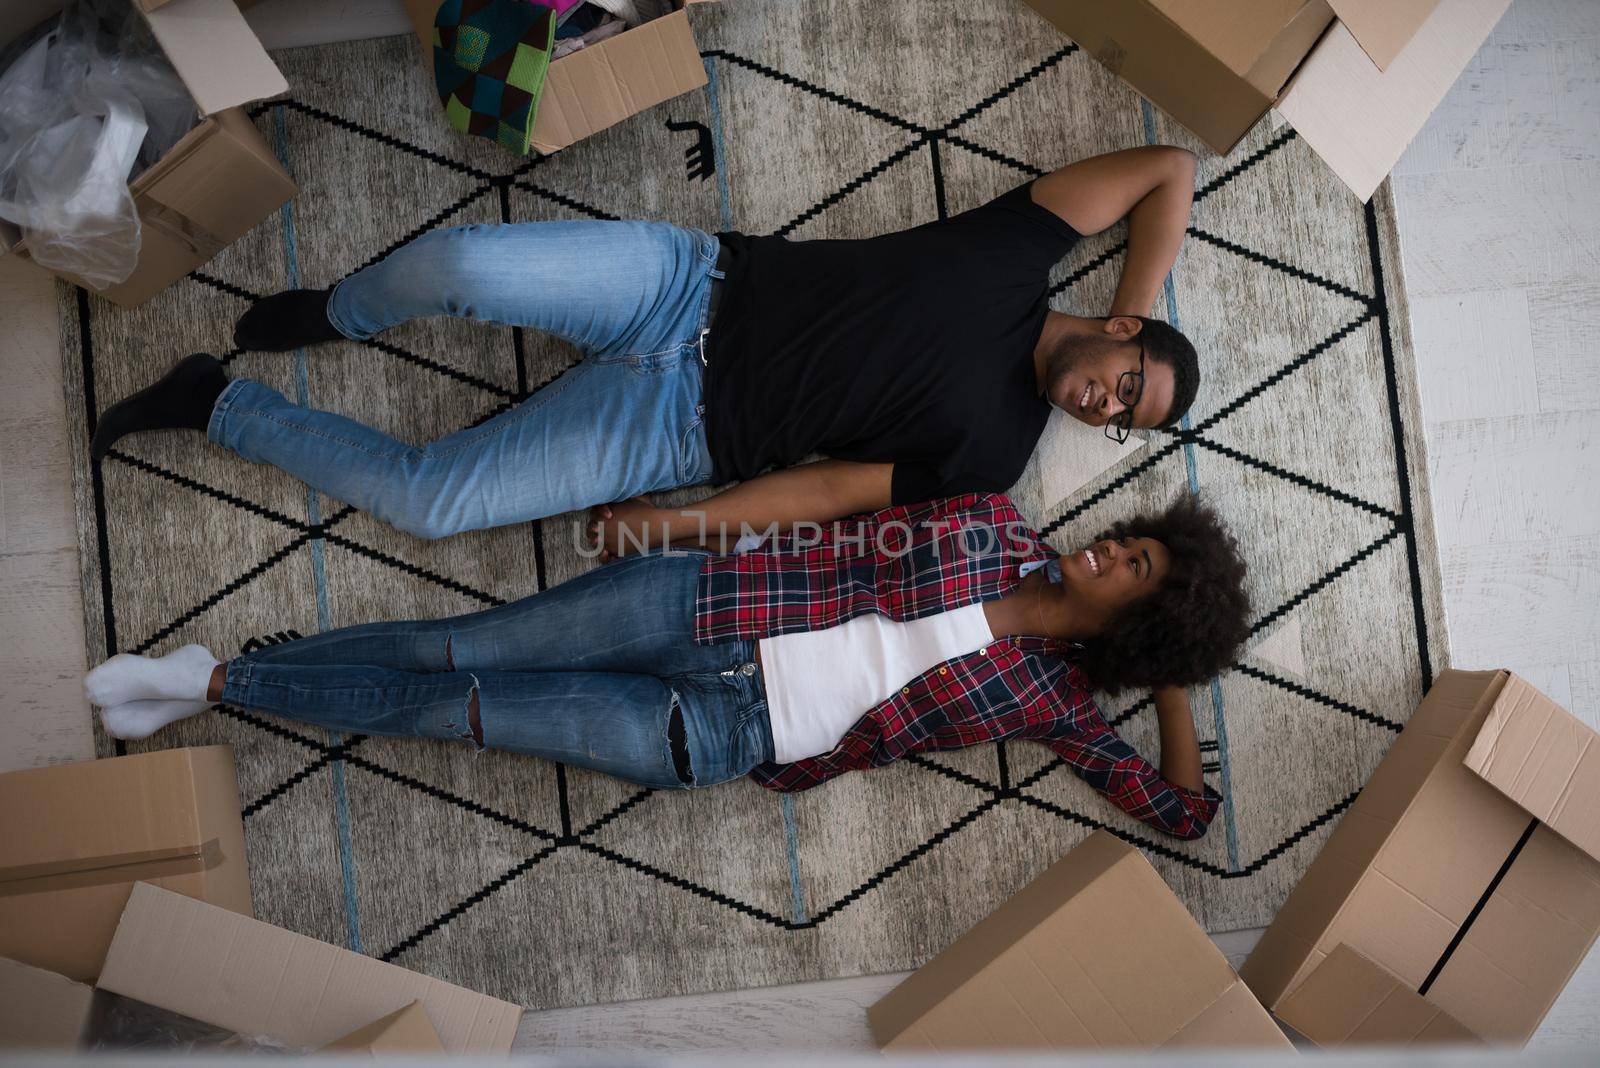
<point x="123" y="1025"/>
<point x="82" y="111"/>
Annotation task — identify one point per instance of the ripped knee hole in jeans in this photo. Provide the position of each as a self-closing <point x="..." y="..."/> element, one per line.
<point x="678" y="741"/>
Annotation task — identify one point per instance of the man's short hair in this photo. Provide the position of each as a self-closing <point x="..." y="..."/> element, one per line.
<point x="1165" y="344"/>
<point x="1193" y="627"/>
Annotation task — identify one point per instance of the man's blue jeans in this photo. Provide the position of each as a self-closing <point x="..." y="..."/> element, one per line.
<point x="589" y="673"/>
<point x="632" y="296"/>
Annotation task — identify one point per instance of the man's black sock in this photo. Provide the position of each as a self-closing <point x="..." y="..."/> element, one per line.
<point x="182" y="399"/>
<point x="286" y="321"/>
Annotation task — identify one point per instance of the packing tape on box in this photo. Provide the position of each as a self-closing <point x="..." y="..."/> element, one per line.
<point x="115" y="868"/>
<point x="1483" y="900"/>
<point x="179" y="228"/>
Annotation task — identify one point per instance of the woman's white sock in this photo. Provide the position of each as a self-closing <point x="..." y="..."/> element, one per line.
<point x="141" y="719"/>
<point x="182" y="675"/>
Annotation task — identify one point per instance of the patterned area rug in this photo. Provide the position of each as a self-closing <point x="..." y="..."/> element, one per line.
<point x="549" y="886"/>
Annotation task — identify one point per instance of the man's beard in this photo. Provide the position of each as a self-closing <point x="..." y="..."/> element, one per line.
<point x="1062" y="361"/>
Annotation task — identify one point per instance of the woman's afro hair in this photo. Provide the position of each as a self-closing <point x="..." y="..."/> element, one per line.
<point x="1195" y="625"/>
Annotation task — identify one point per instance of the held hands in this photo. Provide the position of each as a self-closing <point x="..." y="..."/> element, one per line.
<point x="623" y="527"/>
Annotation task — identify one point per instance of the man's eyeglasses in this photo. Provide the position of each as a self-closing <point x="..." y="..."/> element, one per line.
<point x="1130" y="387"/>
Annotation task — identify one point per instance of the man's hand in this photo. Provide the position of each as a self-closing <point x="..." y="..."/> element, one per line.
<point x="1151" y="187"/>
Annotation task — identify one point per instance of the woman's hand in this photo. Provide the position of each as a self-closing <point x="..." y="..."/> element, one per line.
<point x="625" y="526"/>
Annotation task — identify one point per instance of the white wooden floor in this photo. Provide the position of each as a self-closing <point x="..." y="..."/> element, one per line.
<point x="1499" y="203"/>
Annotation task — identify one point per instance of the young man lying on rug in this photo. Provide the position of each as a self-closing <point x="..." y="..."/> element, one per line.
<point x="937" y="626"/>
<point x="922" y="363"/>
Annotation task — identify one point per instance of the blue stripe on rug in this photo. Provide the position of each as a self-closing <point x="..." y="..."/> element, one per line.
<point x="791" y="829"/>
<point x="720" y="155"/>
<point x="1170" y="293"/>
<point x="302" y="385"/>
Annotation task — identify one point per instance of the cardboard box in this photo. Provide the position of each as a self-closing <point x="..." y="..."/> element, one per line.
<point x="406" y="1030"/>
<point x="252" y="978"/>
<point x="222" y="178"/>
<point x="79" y="835"/>
<point x="1443" y="880"/>
<point x="40" y="1010"/>
<point x="1095" y="952"/>
<point x="1356" y="78"/>
<point x="600" y="85"/>
<point x="1349" y="999"/>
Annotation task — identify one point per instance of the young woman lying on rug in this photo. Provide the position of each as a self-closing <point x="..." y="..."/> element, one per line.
<point x="917" y="628"/>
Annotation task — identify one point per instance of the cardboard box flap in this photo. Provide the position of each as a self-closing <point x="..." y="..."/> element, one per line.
<point x="1350" y="999"/>
<point x="238" y="973"/>
<point x="1358" y="118"/>
<point x="1236" y="32"/>
<point x="40" y="1010"/>
<point x="215" y="52"/>
<point x="1383" y="27"/>
<point x="406" y="1030"/>
<point x="1235" y="1019"/>
<point x="1543" y="758"/>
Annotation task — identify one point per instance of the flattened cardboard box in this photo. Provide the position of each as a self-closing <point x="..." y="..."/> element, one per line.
<point x="79" y="835"/>
<point x="600" y="85"/>
<point x="1356" y="78"/>
<point x="1443" y="880"/>
<point x="40" y="1010"/>
<point x="1095" y="952"/>
<point x="250" y="977"/>
<point x="222" y="178"/>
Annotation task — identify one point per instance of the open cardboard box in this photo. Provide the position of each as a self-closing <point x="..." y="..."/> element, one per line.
<point x="79" y="835"/>
<point x="1356" y="78"/>
<point x="252" y="978"/>
<point x="603" y="84"/>
<point x="1468" y="868"/>
<point x="1096" y="952"/>
<point x="222" y="178"/>
<point x="41" y="1011"/>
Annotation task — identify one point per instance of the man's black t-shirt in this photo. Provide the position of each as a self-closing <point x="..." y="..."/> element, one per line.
<point x="913" y="348"/>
